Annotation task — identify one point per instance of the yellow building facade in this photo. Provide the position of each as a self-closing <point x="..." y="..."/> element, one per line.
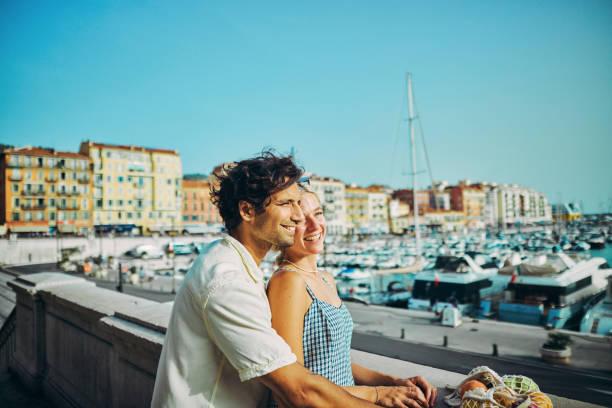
<point x="356" y="207"/>
<point x="45" y="191"/>
<point x="135" y="188"/>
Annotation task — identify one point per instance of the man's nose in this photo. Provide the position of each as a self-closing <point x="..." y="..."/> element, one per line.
<point x="297" y="215"/>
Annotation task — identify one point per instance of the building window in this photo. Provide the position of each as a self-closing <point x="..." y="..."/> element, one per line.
<point x="52" y="202"/>
<point x="99" y="203"/>
<point x="15" y="216"/>
<point x="40" y="216"/>
<point x="120" y="203"/>
<point x="27" y="216"/>
<point x="51" y="216"/>
<point x="109" y="203"/>
<point x="14" y="161"/>
<point x="16" y="202"/>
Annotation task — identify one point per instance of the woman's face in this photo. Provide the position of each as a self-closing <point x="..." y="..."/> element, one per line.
<point x="310" y="235"/>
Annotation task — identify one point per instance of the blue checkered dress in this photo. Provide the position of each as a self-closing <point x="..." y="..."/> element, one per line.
<point x="327" y="341"/>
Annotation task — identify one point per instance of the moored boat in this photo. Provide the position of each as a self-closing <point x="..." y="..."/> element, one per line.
<point x="458" y="282"/>
<point x="598" y="319"/>
<point x="551" y="289"/>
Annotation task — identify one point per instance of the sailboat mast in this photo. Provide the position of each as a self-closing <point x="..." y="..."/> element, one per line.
<point x="417" y="232"/>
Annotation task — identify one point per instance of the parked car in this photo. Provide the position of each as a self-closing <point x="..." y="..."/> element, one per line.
<point x="145" y="251"/>
<point x="179" y="248"/>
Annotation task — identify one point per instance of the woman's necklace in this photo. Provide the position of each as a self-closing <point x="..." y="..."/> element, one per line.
<point x="316" y="271"/>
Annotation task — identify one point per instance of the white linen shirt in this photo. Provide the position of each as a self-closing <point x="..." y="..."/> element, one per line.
<point x="220" y="336"/>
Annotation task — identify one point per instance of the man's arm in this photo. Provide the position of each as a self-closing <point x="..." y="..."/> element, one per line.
<point x="296" y="386"/>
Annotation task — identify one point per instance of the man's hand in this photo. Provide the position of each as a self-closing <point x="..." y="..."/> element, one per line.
<point x="430" y="392"/>
<point x="401" y="396"/>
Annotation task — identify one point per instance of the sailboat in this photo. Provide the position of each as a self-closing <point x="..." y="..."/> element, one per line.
<point x="411" y="118"/>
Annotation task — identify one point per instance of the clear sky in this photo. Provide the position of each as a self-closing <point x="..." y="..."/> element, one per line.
<point x="507" y="91"/>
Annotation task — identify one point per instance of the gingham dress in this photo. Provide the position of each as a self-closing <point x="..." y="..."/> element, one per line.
<point x="327" y="341"/>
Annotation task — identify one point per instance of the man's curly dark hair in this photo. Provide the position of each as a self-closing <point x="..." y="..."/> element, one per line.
<point x="252" y="180"/>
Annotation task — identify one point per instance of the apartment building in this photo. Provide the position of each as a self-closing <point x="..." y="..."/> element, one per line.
<point x="446" y="220"/>
<point x="520" y="204"/>
<point x="135" y="188"/>
<point x="407" y="196"/>
<point x="357" y="206"/>
<point x="45" y="191"/>
<point x="198" y="209"/>
<point x="471" y="201"/>
<point x="399" y="216"/>
<point x="331" y="193"/>
<point x="378" y="213"/>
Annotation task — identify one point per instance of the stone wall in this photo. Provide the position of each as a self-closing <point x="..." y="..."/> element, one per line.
<point x="84" y="346"/>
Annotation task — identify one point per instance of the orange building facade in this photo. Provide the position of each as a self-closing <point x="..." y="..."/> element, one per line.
<point x="197" y="206"/>
<point x="44" y="191"/>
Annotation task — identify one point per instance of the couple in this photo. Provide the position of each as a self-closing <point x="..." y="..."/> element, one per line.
<point x="226" y="343"/>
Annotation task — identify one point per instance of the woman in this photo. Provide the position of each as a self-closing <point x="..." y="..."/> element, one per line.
<point x="309" y="315"/>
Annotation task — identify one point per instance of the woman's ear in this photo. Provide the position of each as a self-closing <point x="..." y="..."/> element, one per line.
<point x="247" y="212"/>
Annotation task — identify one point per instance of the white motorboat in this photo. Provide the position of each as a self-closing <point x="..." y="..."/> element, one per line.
<point x="551" y="289"/>
<point x="598" y="319"/>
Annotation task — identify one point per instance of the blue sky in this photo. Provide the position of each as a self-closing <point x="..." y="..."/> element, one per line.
<point x="511" y="92"/>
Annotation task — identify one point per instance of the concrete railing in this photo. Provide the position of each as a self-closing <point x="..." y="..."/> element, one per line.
<point x="83" y="346"/>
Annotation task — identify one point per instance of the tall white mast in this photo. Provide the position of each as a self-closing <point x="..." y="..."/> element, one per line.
<point x="417" y="232"/>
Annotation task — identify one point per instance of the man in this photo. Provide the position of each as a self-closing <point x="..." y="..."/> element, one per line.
<point x="220" y="349"/>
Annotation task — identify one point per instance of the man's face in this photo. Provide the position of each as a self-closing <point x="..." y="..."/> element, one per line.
<point x="276" y="225"/>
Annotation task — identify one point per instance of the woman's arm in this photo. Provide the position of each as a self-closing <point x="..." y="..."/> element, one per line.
<point x="365" y="376"/>
<point x="289" y="302"/>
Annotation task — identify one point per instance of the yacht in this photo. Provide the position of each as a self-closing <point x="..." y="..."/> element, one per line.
<point x="598" y="319"/>
<point x="551" y="289"/>
<point x="456" y="281"/>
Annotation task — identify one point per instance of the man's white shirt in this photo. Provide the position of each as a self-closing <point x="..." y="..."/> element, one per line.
<point x="220" y="336"/>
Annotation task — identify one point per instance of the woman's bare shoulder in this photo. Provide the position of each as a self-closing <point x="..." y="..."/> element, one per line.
<point x="287" y="279"/>
<point x="288" y="288"/>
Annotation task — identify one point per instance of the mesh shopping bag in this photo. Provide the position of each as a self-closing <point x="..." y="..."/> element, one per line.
<point x="509" y="391"/>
